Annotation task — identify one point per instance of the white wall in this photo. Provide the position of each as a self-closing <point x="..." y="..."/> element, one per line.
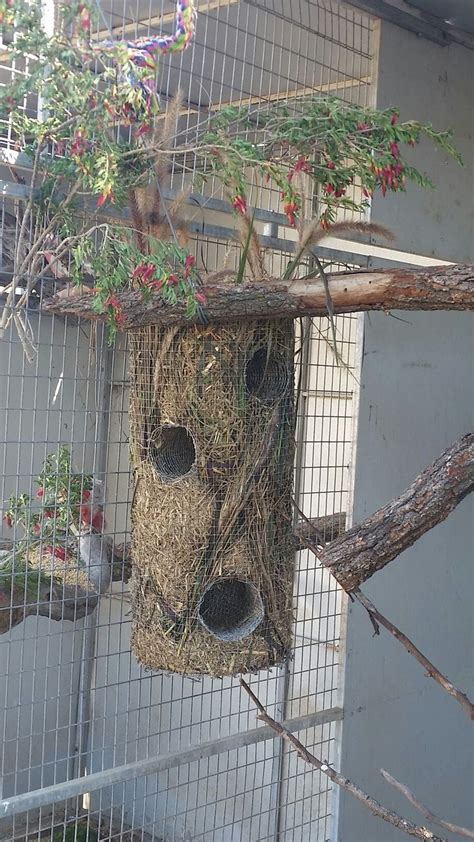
<point x="416" y="398"/>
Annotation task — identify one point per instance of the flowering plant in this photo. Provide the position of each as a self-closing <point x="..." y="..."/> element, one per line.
<point x="348" y="152"/>
<point x="85" y="113"/>
<point x="62" y="500"/>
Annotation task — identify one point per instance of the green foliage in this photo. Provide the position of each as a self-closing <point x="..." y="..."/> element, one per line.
<point x="338" y="146"/>
<point x="94" y="139"/>
<point x="56" y="505"/>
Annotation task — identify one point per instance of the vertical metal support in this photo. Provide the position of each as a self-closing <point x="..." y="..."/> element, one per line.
<point x="284" y="678"/>
<point x="104" y="363"/>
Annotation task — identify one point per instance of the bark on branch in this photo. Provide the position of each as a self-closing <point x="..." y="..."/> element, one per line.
<point x="374" y="806"/>
<point x="438" y="288"/>
<point x="366" y="548"/>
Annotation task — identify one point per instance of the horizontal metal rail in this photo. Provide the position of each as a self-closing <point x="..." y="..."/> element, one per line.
<point x="140" y="768"/>
<point x="334" y="249"/>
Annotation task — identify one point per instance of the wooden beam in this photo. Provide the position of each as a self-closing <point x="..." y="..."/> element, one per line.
<point x="437" y="288"/>
<point x="407" y="16"/>
<point x="157" y="20"/>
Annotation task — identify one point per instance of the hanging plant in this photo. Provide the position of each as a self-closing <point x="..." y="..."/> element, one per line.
<point x="96" y="145"/>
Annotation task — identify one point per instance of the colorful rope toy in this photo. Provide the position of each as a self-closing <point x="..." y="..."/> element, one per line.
<point x="142" y="52"/>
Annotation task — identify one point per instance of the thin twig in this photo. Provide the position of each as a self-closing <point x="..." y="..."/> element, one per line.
<point x="431" y="671"/>
<point x="453" y="828"/>
<point x="375" y="808"/>
<point x="329" y="304"/>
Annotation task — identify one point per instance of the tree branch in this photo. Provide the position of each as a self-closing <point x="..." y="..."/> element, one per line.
<point x="363" y="550"/>
<point x="375" y="808"/>
<point x="438" y="288"/>
<point x="431" y="671"/>
<point x="318" y="530"/>
<point x="453" y="828"/>
<point x="52" y="599"/>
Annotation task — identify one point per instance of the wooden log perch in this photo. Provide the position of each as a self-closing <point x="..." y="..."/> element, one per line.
<point x="434" y="288"/>
<point x="52" y="599"/>
<point x="366" y="548"/>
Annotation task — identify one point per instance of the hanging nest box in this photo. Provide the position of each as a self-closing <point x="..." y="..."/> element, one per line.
<point x="212" y="445"/>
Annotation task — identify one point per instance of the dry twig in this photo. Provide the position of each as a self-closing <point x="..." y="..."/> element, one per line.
<point x="453" y="828"/>
<point x="377" y="809"/>
<point x="431" y="671"/>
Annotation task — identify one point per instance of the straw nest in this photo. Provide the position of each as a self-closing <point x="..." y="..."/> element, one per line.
<point x="212" y="432"/>
<point x="69" y="570"/>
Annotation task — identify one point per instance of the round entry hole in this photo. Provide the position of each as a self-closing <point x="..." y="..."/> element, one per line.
<point x="266" y="375"/>
<point x="231" y="609"/>
<point x="174" y="453"/>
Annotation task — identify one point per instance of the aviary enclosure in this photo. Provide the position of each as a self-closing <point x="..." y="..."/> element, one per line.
<point x="75" y="699"/>
<point x="226" y="427"/>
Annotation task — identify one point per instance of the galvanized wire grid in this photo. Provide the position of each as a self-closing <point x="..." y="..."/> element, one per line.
<point x="73" y="699"/>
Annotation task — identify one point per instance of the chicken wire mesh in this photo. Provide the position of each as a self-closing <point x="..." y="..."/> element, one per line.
<point x="75" y="702"/>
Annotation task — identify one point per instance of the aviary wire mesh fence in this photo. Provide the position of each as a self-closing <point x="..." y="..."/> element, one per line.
<point x="134" y="755"/>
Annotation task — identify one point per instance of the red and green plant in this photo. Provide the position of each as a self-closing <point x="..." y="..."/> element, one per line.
<point x="86" y="117"/>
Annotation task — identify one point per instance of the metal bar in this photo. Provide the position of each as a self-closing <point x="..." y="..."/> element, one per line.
<point x="140" y="768"/>
<point x="415" y="20"/>
<point x="332" y="248"/>
<point x="104" y="363"/>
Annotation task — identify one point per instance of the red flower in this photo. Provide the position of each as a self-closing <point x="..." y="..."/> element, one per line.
<point x="120" y="318"/>
<point x="340" y="192"/>
<point x="394" y="119"/>
<point x="291" y="208"/>
<point x="40" y="492"/>
<point x="157" y="284"/>
<point x="362" y="127"/>
<point x="328" y="189"/>
<point x="101" y="200"/>
<point x="86" y="495"/>
<point x="8" y="520"/>
<point x="138" y="271"/>
<point x="59" y="552"/>
<point x="301" y="165"/>
<point x="79" y="145"/>
<point x="49" y="513"/>
<point x="85" y="514"/>
<point x="36" y="528"/>
<point x="240" y="205"/>
<point x="331" y="165"/>
<point x="395" y="150"/>
<point x="85" y="17"/>
<point x="201" y="298"/>
<point x="189" y="265"/>
<point x="143" y="130"/>
<point x="172" y="280"/>
<point x="148" y="273"/>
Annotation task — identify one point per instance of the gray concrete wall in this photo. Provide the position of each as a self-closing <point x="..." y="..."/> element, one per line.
<point x="416" y="398"/>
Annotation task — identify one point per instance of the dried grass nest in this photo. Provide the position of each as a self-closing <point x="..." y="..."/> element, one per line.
<point x="212" y="447"/>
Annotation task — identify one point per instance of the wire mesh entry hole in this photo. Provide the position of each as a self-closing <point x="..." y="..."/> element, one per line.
<point x="266" y="375"/>
<point x="231" y="609"/>
<point x="174" y="454"/>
